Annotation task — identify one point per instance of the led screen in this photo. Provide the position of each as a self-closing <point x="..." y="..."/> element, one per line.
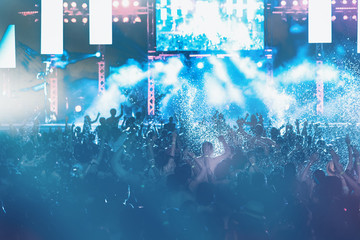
<point x="202" y="25"/>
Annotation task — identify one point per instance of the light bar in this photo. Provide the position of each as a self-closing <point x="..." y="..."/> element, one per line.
<point x="320" y="21"/>
<point x="100" y="22"/>
<point x="7" y="48"/>
<point x="52" y="33"/>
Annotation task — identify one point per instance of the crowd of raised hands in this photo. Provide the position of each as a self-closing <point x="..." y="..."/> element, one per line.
<point x="253" y="181"/>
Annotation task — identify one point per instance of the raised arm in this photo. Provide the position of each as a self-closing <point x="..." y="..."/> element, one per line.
<point x="96" y="119"/>
<point x="350" y="165"/>
<point x="225" y="155"/>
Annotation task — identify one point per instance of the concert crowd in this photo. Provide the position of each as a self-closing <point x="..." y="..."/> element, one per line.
<point x="132" y="178"/>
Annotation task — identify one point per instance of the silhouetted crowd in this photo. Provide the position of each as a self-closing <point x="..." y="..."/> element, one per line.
<point x="132" y="178"/>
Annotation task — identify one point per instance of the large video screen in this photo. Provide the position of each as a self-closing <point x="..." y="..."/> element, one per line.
<point x="209" y="25"/>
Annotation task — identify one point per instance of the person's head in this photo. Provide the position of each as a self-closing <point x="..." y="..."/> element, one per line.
<point x="102" y="121"/>
<point x="259" y="130"/>
<point x="87" y="118"/>
<point x="113" y="112"/>
<point x="207" y="148"/>
<point x="318" y="176"/>
<point x="274" y="133"/>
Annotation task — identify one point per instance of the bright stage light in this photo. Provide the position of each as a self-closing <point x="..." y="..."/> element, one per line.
<point x="78" y="108"/>
<point x="66" y="5"/>
<point x="283" y="3"/>
<point x="116" y="4"/>
<point x="344" y="1"/>
<point x="354" y="1"/>
<point x="98" y="54"/>
<point x="85" y="20"/>
<point x="66" y="20"/>
<point x="333" y="2"/>
<point x="116" y="19"/>
<point x="305" y="2"/>
<point x="73" y="4"/>
<point x="333" y="18"/>
<point x="137" y="19"/>
<point x="73" y="20"/>
<point x="125" y="19"/>
<point x="200" y="65"/>
<point x="136" y="3"/>
<point x="125" y="3"/>
<point x="354" y="17"/>
<point x="345" y="17"/>
<point x="259" y="64"/>
<point x="295" y="3"/>
<point x="84" y="5"/>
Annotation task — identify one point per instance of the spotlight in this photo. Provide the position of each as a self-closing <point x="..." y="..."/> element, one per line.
<point x="125" y="3"/>
<point x="73" y="20"/>
<point x="295" y="3"/>
<point x="66" y="20"/>
<point x="259" y="64"/>
<point x="84" y="20"/>
<point x="98" y="54"/>
<point x="78" y="108"/>
<point x="66" y="5"/>
<point x="137" y="19"/>
<point x="305" y="2"/>
<point x="84" y="5"/>
<point x="345" y="17"/>
<point x="116" y="4"/>
<point x="116" y="19"/>
<point x="200" y="65"/>
<point x="136" y="4"/>
<point x="354" y="1"/>
<point x="333" y="18"/>
<point x="333" y="2"/>
<point x="344" y="1"/>
<point x="125" y="19"/>
<point x="354" y="17"/>
<point x="283" y="3"/>
<point x="73" y="4"/>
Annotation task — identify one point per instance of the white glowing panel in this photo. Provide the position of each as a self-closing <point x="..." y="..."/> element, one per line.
<point x="358" y="29"/>
<point x="319" y="21"/>
<point x="7" y="48"/>
<point x="100" y="21"/>
<point x="52" y="32"/>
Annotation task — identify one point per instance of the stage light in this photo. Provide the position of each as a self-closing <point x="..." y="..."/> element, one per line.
<point x="333" y="2"/>
<point x="136" y="3"/>
<point x="305" y="2"/>
<point x="295" y="3"/>
<point x="345" y="17"/>
<point x="66" y="5"/>
<point x="73" y="20"/>
<point x="73" y="4"/>
<point x="84" y="5"/>
<point x="283" y="3"/>
<point x="354" y="17"/>
<point x="78" y="108"/>
<point x="354" y="1"/>
<point x="344" y="1"/>
<point x="116" y="19"/>
<point x="125" y="19"/>
<point x="98" y="54"/>
<point x="84" y="20"/>
<point x="200" y="65"/>
<point x="259" y="64"/>
<point x="333" y="18"/>
<point x="116" y="4"/>
<point x="125" y="3"/>
<point x="137" y="19"/>
<point x="66" y="20"/>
